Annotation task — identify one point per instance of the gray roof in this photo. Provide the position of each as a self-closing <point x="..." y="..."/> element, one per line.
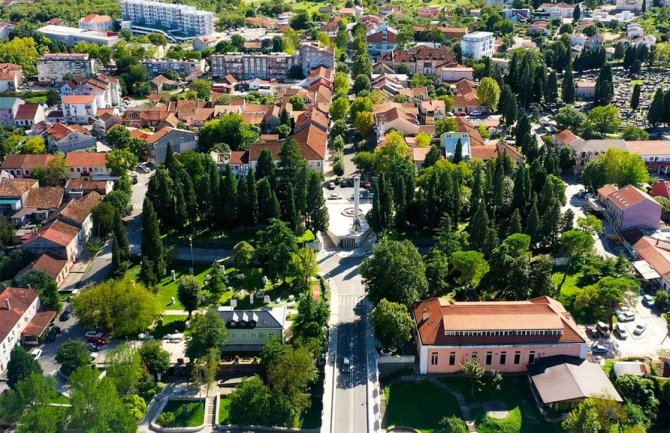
<point x="599" y="146"/>
<point x="635" y="368"/>
<point x="570" y="382"/>
<point x="273" y="318"/>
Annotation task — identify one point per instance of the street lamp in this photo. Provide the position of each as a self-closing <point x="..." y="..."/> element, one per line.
<point x="190" y="241"/>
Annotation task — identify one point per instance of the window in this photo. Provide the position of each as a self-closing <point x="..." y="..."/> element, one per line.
<point x="531" y="357"/>
<point x="489" y="358"/>
<point x="517" y="357"/>
<point x="475" y="355"/>
<point x="503" y="358"/>
<point x="433" y="358"/>
<point x="452" y="358"/>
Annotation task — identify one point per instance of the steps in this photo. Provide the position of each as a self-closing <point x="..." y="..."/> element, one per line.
<point x="210" y="416"/>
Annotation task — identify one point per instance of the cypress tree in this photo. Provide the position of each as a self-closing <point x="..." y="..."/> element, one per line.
<point x="152" y="246"/>
<point x="434" y="155"/>
<point x="666" y="107"/>
<point x="290" y="212"/>
<point x="568" y="85"/>
<point x="117" y="260"/>
<point x="635" y="98"/>
<point x="656" y="109"/>
<point x="121" y="237"/>
<point x="264" y="165"/>
<point x="385" y="201"/>
<point x="213" y="198"/>
<point x="317" y="214"/>
<point x="576" y="14"/>
<point x="228" y="201"/>
<point x="268" y="205"/>
<point x="551" y="223"/>
<point x="508" y="105"/>
<point x="539" y="84"/>
<point x="515" y="223"/>
<point x="399" y="191"/>
<point x="189" y="194"/>
<point x="491" y="241"/>
<point x="478" y="228"/>
<point x="533" y="225"/>
<point x="457" y="205"/>
<point x="458" y="152"/>
<point x="251" y="209"/>
<point x="181" y="212"/>
<point x="242" y="203"/>
<point x="604" y="90"/>
<point x="169" y="161"/>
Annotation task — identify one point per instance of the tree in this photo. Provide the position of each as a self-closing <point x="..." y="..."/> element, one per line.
<point x="34" y="145"/>
<point x="253" y="403"/>
<point x="311" y="321"/>
<point x="445" y="125"/>
<point x="574" y="244"/>
<point x="617" y="167"/>
<point x="635" y="98"/>
<point x="568" y="86"/>
<point x="603" y="298"/>
<point x="154" y="358"/>
<point x="123" y="306"/>
<point x="605" y="120"/>
<point x="265" y="165"/>
<point x="361" y="83"/>
<point x="188" y="293"/>
<point x="470" y="267"/>
<point x="569" y="117"/>
<point x="632" y="132"/>
<point x="121" y="237"/>
<point x="339" y="109"/>
<point x="71" y="355"/>
<point x="291" y="375"/>
<point x="203" y="88"/>
<point x="268" y="204"/>
<point x="121" y="161"/>
<point x="45" y="286"/>
<point x="364" y="123"/>
<point x="119" y="137"/>
<point x="152" y="246"/>
<point x="21" y="365"/>
<point x="29" y="394"/>
<point x="54" y="174"/>
<point x="590" y="224"/>
<point x="207" y="331"/>
<point x="341" y="83"/>
<point x="576" y="14"/>
<point x="303" y="267"/>
<point x="124" y="367"/>
<point x="103" y="219"/>
<point x="452" y="424"/>
<point x="656" y="112"/>
<point x="244" y="254"/>
<point x="230" y="129"/>
<point x="474" y="372"/>
<point x="595" y="415"/>
<point x="276" y="243"/>
<point x="639" y="391"/>
<point x="488" y="93"/>
<point x="317" y="214"/>
<point x="393" y="324"/>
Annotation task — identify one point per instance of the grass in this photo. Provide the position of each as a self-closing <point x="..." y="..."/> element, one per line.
<point x="171" y="324"/>
<point x="37" y="100"/>
<point x="167" y="288"/>
<point x="420" y="405"/>
<point x="224" y="410"/>
<point x="187" y="414"/>
<point x="569" y="292"/>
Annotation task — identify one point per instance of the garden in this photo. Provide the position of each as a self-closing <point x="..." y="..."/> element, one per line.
<point x="178" y="413"/>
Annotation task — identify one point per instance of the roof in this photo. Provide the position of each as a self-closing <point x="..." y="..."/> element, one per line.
<point x="44" y="198"/>
<point x="86" y="159"/>
<point x="11" y="187"/>
<point x="46" y="263"/>
<point x="78" y="210"/>
<point x="635" y="368"/>
<point x="419" y="52"/>
<point x="58" y="131"/>
<point x="313" y="142"/>
<point x="419" y="153"/>
<point x="95" y="18"/>
<point x="78" y="99"/>
<point x="39" y="323"/>
<point x="435" y="317"/>
<point x="20" y="300"/>
<point x="57" y="232"/>
<point x="26" y="161"/>
<point x="606" y="190"/>
<point x="656" y="253"/>
<point x="567" y="137"/>
<point x="253" y="319"/>
<point x="26" y="111"/>
<point x="568" y="382"/>
<point x="629" y="196"/>
<point x="649" y="147"/>
<point x="7" y="102"/>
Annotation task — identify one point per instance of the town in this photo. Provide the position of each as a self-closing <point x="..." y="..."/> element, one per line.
<point x="337" y="217"/>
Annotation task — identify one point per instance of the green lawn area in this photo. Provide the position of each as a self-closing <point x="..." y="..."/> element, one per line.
<point x="420" y="405"/>
<point x="171" y="324"/>
<point x="569" y="292"/>
<point x="524" y="417"/>
<point x="37" y="100"/>
<point x="167" y="288"/>
<point x="224" y="414"/>
<point x="187" y="414"/>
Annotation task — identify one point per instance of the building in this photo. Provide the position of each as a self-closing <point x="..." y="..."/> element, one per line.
<point x="477" y="45"/>
<point x="87" y="166"/>
<point x="67" y="138"/>
<point x="312" y="55"/>
<point x="105" y="88"/>
<point x="629" y="207"/>
<point x="252" y="330"/>
<point x="72" y="36"/>
<point x="183" y="67"/>
<point x="633" y="5"/>
<point x="557" y="10"/>
<point x="98" y="23"/>
<point x="79" y="108"/>
<point x="418" y="60"/>
<point x="11" y="77"/>
<point x="50" y="265"/>
<point x="585" y="89"/>
<point x="455" y="73"/>
<point x="13" y="194"/>
<point x="9" y="106"/>
<point x="273" y="66"/>
<point x="29" y="115"/>
<point x="177" y="21"/>
<point x="22" y="165"/>
<point x="181" y="141"/>
<point x="507" y="336"/>
<point x="382" y="39"/>
<point x="21" y="320"/>
<point x="53" y="67"/>
<point x="204" y="42"/>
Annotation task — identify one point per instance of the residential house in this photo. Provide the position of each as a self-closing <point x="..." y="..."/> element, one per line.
<point x="29" y="115"/>
<point x="183" y="67"/>
<point x="652" y="261"/>
<point x="427" y="33"/>
<point x="238" y="161"/>
<point x="633" y="5"/>
<point x="78" y="213"/>
<point x="204" y="42"/>
<point x="13" y="193"/>
<point x="87" y="166"/>
<point x="585" y="89"/>
<point x="68" y="138"/>
<point x="506" y="336"/>
<point x="586" y="151"/>
<point x="382" y="39"/>
<point x="149" y="117"/>
<point x="54" y="67"/>
<point x="79" y="108"/>
<point x="56" y="238"/>
<point x="396" y="119"/>
<point x="539" y="27"/>
<point x="455" y="73"/>
<point x="105" y="118"/>
<point x="40" y="203"/>
<point x="53" y="266"/>
<point x="9" y="106"/>
<point x="466" y="100"/>
<point x="98" y="23"/>
<point x="477" y="45"/>
<point x="313" y="55"/>
<point x="428" y="12"/>
<point x="105" y="88"/>
<point x="11" y="77"/>
<point x="629" y="207"/>
<point x="251" y="330"/>
<point x="558" y="10"/>
<point x="181" y="141"/>
<point x="79" y="188"/>
<point x="418" y="60"/>
<point x="22" y="165"/>
<point x="431" y="111"/>
<point x="21" y="320"/>
<point x="655" y="153"/>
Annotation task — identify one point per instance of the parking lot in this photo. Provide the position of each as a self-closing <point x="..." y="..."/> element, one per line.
<point x="649" y="343"/>
<point x="346" y="193"/>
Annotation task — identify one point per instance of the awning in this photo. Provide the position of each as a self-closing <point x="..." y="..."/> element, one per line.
<point x="11" y="201"/>
<point x="645" y="271"/>
<point x="595" y="205"/>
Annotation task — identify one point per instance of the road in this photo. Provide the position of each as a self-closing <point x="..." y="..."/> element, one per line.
<point x="577" y="203"/>
<point x="348" y="400"/>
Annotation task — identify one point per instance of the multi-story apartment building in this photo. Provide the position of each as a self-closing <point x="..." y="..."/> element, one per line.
<point x="72" y="36"/>
<point x="177" y="20"/>
<point x="382" y="39"/>
<point x="247" y="66"/>
<point x="105" y="88"/>
<point x="184" y="67"/>
<point x="312" y="55"/>
<point x="477" y="45"/>
<point x="98" y="23"/>
<point x="79" y="108"/>
<point x="53" y="67"/>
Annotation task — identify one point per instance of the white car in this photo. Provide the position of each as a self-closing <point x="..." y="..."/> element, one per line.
<point x="640" y="328"/>
<point x="174" y="338"/>
<point x="626" y="316"/>
<point x="475" y="113"/>
<point x="36" y="353"/>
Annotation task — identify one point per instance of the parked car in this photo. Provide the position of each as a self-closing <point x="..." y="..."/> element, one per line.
<point x="620" y="331"/>
<point x="337" y="180"/>
<point x="475" y="113"/>
<point x="599" y="349"/>
<point x="334" y="197"/>
<point x="640" y="328"/>
<point x="592" y="332"/>
<point x="604" y="329"/>
<point x="648" y="300"/>
<point x="626" y="316"/>
<point x="53" y="333"/>
<point x="366" y="185"/>
<point x="346" y="365"/>
<point x="330" y="185"/>
<point x="92" y="347"/>
<point x="66" y="314"/>
<point x="36" y="353"/>
<point x="93" y="334"/>
<point x="98" y="341"/>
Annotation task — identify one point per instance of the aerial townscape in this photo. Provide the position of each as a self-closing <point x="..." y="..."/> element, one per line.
<point x="334" y="216"/>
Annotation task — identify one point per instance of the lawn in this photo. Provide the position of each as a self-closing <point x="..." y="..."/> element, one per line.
<point x="37" y="100"/>
<point x="224" y="414"/>
<point x="187" y="414"/>
<point x="524" y="417"/>
<point x="171" y="324"/>
<point x="167" y="288"/>
<point x="420" y="405"/>
<point x="569" y="292"/>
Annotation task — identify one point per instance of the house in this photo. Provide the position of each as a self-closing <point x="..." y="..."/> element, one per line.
<point x="382" y="39"/>
<point x="398" y="119"/>
<point x="477" y="45"/>
<point x="586" y="151"/>
<point x="13" y="193"/>
<point x="79" y="108"/>
<point x="50" y="265"/>
<point x="58" y="239"/>
<point x="251" y="330"/>
<point x="661" y="189"/>
<point x="507" y="336"/>
<point x="539" y="27"/>
<point x="105" y="88"/>
<point x="87" y="166"/>
<point x="181" y="141"/>
<point x="22" y="165"/>
<point x="585" y="89"/>
<point x="21" y="320"/>
<point x="40" y="203"/>
<point x="78" y="213"/>
<point x="559" y="383"/>
<point x="556" y="10"/>
<point x="635" y="368"/>
<point x="655" y="153"/>
<point x="652" y="261"/>
<point x="183" y="67"/>
<point x="431" y="111"/>
<point x="418" y="60"/>
<point x="204" y="42"/>
<point x="466" y="100"/>
<point x="633" y="5"/>
<point x="630" y="207"/>
<point x="98" y="23"/>
<point x="68" y="138"/>
<point x="79" y="188"/>
<point x="9" y="106"/>
<point x="29" y="115"/>
<point x="455" y="73"/>
<point x="238" y="161"/>
<point x="313" y="142"/>
<point x="11" y="77"/>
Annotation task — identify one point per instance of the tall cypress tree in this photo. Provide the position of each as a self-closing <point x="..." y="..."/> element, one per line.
<point x="551" y="93"/>
<point x="478" y="228"/>
<point x="251" y="209"/>
<point x="533" y="225"/>
<point x="508" y="105"/>
<point x="268" y="205"/>
<point x="290" y="212"/>
<point x="604" y="90"/>
<point x="189" y="195"/>
<point x="213" y="199"/>
<point x="515" y="223"/>
<point x="656" y="109"/>
<point x="458" y="152"/>
<point x="169" y="162"/>
<point x="228" y="194"/>
<point x="121" y="237"/>
<point x="568" y="85"/>
<point x="181" y="212"/>
<point x="264" y="165"/>
<point x="399" y="201"/>
<point x="242" y="203"/>
<point x="386" y="201"/>
<point x="317" y="214"/>
<point x="117" y="262"/>
<point x="456" y="202"/>
<point x="635" y="98"/>
<point x="152" y="246"/>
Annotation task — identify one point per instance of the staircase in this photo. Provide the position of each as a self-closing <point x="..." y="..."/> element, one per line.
<point x="211" y="415"/>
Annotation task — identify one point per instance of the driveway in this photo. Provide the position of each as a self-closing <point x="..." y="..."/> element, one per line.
<point x="576" y="203"/>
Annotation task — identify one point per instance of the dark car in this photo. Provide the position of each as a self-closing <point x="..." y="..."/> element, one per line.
<point x="592" y="332"/>
<point x="92" y="347"/>
<point x="599" y="349"/>
<point x="53" y="333"/>
<point x="66" y="314"/>
<point x="346" y="365"/>
<point x="97" y="340"/>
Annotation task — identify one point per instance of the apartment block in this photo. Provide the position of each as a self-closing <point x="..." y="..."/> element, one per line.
<point x="247" y="66"/>
<point x="53" y="67"/>
<point x="312" y="55"/>
<point x="72" y="36"/>
<point x="477" y="45"/>
<point x="177" y="20"/>
<point x="184" y="67"/>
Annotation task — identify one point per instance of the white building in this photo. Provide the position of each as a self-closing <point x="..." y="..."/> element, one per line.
<point x="178" y="21"/>
<point x="79" y="108"/>
<point x="312" y="55"/>
<point x="98" y="23"/>
<point x="18" y="307"/>
<point x="105" y="88"/>
<point x="53" y="67"/>
<point x="382" y="39"/>
<point x="477" y="45"/>
<point x="633" y="5"/>
<point x="72" y="36"/>
<point x="184" y="67"/>
<point x="555" y="10"/>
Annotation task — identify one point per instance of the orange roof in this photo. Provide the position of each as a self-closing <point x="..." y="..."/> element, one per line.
<point x="78" y="99"/>
<point x="26" y="111"/>
<point x="606" y="190"/>
<point x="629" y="196"/>
<point x="464" y="125"/>
<point x="567" y="137"/>
<point x="57" y="232"/>
<point x="78" y="210"/>
<point x="86" y="159"/>
<point x="313" y="141"/>
<point x="649" y="147"/>
<point x="25" y="161"/>
<point x="655" y="252"/>
<point x="95" y="18"/>
<point x="38" y="324"/>
<point x="19" y="300"/>
<point x="16" y="187"/>
<point x="48" y="264"/>
<point x="44" y="198"/>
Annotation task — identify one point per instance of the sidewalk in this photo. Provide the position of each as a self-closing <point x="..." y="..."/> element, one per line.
<point x="331" y="363"/>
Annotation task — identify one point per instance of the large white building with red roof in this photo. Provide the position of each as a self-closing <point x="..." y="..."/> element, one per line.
<point x="630" y="207"/>
<point x="507" y="336"/>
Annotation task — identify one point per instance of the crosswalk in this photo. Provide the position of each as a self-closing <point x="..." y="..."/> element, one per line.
<point x="137" y="206"/>
<point x="350" y="300"/>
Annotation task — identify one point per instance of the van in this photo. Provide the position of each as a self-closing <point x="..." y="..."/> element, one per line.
<point x="604" y="329"/>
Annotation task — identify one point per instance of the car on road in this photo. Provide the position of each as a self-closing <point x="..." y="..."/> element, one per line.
<point x="620" y="331"/>
<point x="334" y="197"/>
<point x="66" y="314"/>
<point x="599" y="349"/>
<point x="346" y="365"/>
<point x="648" y="300"/>
<point x="98" y="341"/>
<point x="640" y="328"/>
<point x="92" y="347"/>
<point x="604" y="329"/>
<point x="475" y="113"/>
<point x="36" y="353"/>
<point x="53" y="333"/>
<point x="625" y="316"/>
<point x="330" y="185"/>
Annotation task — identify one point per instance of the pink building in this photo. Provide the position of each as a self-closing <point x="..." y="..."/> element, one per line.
<point x="505" y="336"/>
<point x="630" y="207"/>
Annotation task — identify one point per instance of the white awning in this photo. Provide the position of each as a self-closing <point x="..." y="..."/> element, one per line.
<point x="645" y="271"/>
<point x="595" y="205"/>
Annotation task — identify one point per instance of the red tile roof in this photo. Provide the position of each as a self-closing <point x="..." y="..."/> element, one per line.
<point x="44" y="198"/>
<point x="47" y="264"/>
<point x="39" y="323"/>
<point x="655" y="252"/>
<point x="313" y="141"/>
<point x="16" y="187"/>
<point x="86" y="159"/>
<point x="20" y="301"/>
<point x="26" y="111"/>
<point x="628" y="196"/>
<point x="567" y="137"/>
<point x="25" y="161"/>
<point x="78" y="99"/>
<point x="78" y="210"/>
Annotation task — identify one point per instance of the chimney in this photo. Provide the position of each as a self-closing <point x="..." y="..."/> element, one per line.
<point x="425" y="315"/>
<point x="8" y="304"/>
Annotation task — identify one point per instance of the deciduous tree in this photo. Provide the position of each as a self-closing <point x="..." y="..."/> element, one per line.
<point x="393" y="324"/>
